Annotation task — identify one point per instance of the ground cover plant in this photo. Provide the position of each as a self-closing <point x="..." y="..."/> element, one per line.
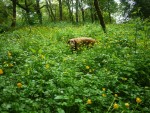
<point x="39" y="73"/>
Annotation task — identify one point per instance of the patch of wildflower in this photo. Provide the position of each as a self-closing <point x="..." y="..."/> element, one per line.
<point x="11" y="65"/>
<point x="5" y="62"/>
<point x="87" y="67"/>
<point x="42" y="56"/>
<point x="127" y="105"/>
<point x="90" y="70"/>
<point x="47" y="66"/>
<point x="104" y="89"/>
<point x="1" y="72"/>
<point x="103" y="95"/>
<point x="89" y="101"/>
<point x="116" y="106"/>
<point x="9" y="53"/>
<point x="123" y="78"/>
<point x="19" y="85"/>
<point x="116" y="95"/>
<point x="138" y="100"/>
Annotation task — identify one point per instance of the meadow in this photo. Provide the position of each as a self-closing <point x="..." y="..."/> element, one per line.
<point x="39" y="73"/>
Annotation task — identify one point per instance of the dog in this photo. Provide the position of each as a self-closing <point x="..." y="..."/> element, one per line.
<point x="76" y="43"/>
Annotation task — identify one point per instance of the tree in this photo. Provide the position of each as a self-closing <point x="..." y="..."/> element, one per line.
<point x="68" y="2"/>
<point x="82" y="10"/>
<point x="60" y="10"/>
<point x="38" y="11"/>
<point x="50" y="10"/>
<point x="111" y="7"/>
<point x="14" y="3"/>
<point x="100" y="16"/>
<point x="5" y="15"/>
<point x="77" y="14"/>
<point x="28" y="7"/>
<point x="90" y="3"/>
<point x="143" y="8"/>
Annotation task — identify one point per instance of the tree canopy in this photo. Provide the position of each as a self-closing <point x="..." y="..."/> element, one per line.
<point x="76" y="11"/>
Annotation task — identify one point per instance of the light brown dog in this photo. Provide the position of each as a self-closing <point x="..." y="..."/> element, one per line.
<point x="77" y="43"/>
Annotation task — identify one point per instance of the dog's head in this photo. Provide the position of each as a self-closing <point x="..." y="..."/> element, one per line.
<point x="72" y="42"/>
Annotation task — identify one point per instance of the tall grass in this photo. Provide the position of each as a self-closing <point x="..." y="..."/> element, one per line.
<point x="39" y="73"/>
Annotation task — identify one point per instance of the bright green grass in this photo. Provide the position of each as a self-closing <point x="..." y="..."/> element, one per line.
<point x="56" y="81"/>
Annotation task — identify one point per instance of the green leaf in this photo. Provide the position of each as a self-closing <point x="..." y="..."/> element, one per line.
<point x="60" y="110"/>
<point x="78" y="100"/>
<point x="33" y="50"/>
<point x="59" y="97"/>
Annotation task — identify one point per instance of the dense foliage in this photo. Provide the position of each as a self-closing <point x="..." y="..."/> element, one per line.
<point x="38" y="72"/>
<point x="143" y="8"/>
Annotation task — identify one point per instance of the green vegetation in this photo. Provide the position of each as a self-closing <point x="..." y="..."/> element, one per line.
<point x="39" y="74"/>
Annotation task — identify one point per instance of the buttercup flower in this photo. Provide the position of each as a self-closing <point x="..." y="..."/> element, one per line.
<point x="87" y="67"/>
<point x="19" y="85"/>
<point x="47" y="66"/>
<point x="42" y="56"/>
<point x="116" y="106"/>
<point x="138" y="100"/>
<point x="123" y="78"/>
<point x="116" y="95"/>
<point x="127" y="105"/>
<point x="1" y="72"/>
<point x="9" y="54"/>
<point x="90" y="70"/>
<point x="89" y="101"/>
<point x="5" y="62"/>
<point x="11" y="65"/>
<point x="104" y="89"/>
<point x="104" y="95"/>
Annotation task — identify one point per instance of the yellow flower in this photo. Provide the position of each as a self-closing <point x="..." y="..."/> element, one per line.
<point x="11" y="65"/>
<point x="104" y="95"/>
<point x="42" y="56"/>
<point x="127" y="105"/>
<point x="19" y="85"/>
<point x="123" y="78"/>
<point x="138" y="100"/>
<point x="9" y="54"/>
<point x="87" y="67"/>
<point x="89" y="101"/>
<point x="47" y="66"/>
<point x="1" y="72"/>
<point x="5" y="62"/>
<point x="116" y="106"/>
<point x="116" y="95"/>
<point x="90" y="70"/>
<point x="104" y="89"/>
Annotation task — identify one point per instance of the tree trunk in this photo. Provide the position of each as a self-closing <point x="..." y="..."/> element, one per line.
<point x="48" y="10"/>
<point x="77" y="15"/>
<point x="82" y="11"/>
<point x="60" y="10"/>
<point x="51" y="10"/>
<point x="109" y="13"/>
<point x="69" y="10"/>
<point x="38" y="11"/>
<point x="28" y="13"/>
<point x="72" y="11"/>
<point x="99" y="13"/>
<point x="91" y="11"/>
<point x="27" y="10"/>
<point x="14" y="14"/>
